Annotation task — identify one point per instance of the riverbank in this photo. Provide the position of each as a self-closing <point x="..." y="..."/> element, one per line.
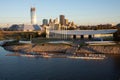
<point x="38" y="49"/>
<point x="63" y="49"/>
<point x="104" y="49"/>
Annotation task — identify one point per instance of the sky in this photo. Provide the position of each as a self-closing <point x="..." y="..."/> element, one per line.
<point x="82" y="12"/>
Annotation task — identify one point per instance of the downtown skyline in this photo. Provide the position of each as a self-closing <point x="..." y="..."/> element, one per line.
<point x="82" y="12"/>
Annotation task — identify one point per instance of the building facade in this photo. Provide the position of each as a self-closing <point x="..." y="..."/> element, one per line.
<point x="33" y="15"/>
<point x="80" y="34"/>
<point x="45" y="21"/>
<point x="62" y="19"/>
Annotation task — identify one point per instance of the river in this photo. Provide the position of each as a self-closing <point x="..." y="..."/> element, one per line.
<point x="23" y="68"/>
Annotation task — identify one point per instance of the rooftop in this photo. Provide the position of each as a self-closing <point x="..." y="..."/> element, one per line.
<point x="83" y="32"/>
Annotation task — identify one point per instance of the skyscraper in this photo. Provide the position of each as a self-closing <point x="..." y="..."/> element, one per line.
<point x="45" y="22"/>
<point x="62" y="19"/>
<point x="50" y="21"/>
<point x="33" y="15"/>
<point x="66" y="21"/>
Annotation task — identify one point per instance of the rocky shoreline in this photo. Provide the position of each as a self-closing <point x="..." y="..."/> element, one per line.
<point x="63" y="49"/>
<point x="38" y="49"/>
<point x="113" y="49"/>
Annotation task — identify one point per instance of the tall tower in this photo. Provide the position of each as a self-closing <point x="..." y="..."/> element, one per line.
<point x="33" y="15"/>
<point x="62" y="19"/>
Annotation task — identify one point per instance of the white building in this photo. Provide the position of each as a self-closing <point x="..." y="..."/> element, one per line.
<point x="65" y="34"/>
<point x="33" y="16"/>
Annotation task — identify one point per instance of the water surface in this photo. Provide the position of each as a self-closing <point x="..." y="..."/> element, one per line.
<point x="22" y="68"/>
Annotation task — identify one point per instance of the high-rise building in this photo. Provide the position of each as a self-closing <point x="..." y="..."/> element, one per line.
<point x="50" y="21"/>
<point x="62" y="19"/>
<point x="45" y="21"/>
<point x="33" y="15"/>
<point x="56" y="21"/>
<point x="66" y="21"/>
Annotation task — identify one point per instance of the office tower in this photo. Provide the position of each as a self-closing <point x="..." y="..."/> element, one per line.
<point x="56" y="21"/>
<point x="45" y="22"/>
<point x="66" y="21"/>
<point x="62" y="19"/>
<point x="33" y="15"/>
<point x="72" y="23"/>
<point x="50" y="21"/>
